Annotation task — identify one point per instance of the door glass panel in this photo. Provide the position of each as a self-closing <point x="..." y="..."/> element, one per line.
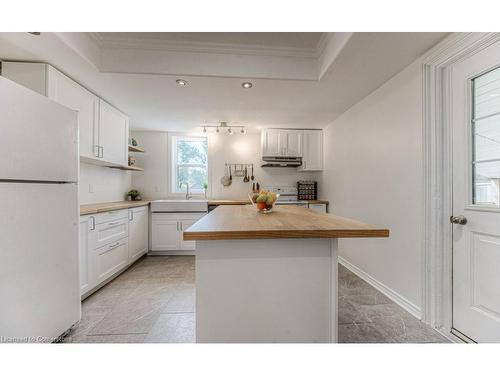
<point x="486" y="139"/>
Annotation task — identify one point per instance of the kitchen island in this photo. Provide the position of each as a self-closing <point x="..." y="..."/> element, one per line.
<point x="269" y="277"/>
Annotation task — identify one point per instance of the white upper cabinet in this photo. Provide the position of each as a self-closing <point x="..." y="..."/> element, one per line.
<point x="69" y="93"/>
<point x="113" y="134"/>
<point x="312" y="158"/>
<point x="271" y="145"/>
<point x="281" y="142"/>
<point x="103" y="133"/>
<point x="294" y="143"/>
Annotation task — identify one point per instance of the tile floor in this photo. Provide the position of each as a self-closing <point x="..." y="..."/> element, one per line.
<point x="154" y="302"/>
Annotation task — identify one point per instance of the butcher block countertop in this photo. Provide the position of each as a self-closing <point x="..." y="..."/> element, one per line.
<point x="228" y="202"/>
<point x="244" y="222"/>
<point x="236" y="202"/>
<point x="95" y="208"/>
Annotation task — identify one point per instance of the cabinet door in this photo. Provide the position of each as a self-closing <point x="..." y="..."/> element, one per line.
<point x="271" y="145"/>
<point x="164" y="235"/>
<point x="138" y="233"/>
<point x="113" y="134"/>
<point x="109" y="259"/>
<point x="87" y="226"/>
<point x="294" y="142"/>
<point x="67" y="92"/>
<point x="187" y="245"/>
<point x="313" y="150"/>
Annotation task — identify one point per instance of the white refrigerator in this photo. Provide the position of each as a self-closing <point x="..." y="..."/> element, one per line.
<point x="39" y="215"/>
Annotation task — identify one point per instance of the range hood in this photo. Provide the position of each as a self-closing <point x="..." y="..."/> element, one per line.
<point x="281" y="161"/>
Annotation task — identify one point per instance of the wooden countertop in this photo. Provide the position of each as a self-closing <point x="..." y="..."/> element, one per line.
<point x="235" y="202"/>
<point x="228" y="202"/>
<point x="86" y="209"/>
<point x="244" y="222"/>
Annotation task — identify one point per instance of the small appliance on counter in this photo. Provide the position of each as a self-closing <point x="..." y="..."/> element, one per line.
<point x="307" y="190"/>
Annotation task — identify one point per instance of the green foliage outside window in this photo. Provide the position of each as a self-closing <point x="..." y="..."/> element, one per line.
<point x="191" y="163"/>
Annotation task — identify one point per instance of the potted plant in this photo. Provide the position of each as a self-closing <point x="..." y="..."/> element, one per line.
<point x="205" y="188"/>
<point x="134" y="195"/>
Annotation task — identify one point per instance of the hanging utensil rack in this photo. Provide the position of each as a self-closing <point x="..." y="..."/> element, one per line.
<point x="238" y="170"/>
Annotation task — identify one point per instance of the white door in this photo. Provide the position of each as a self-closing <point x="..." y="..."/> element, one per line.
<point x="294" y="142"/>
<point x="38" y="137"/>
<point x="138" y="233"/>
<point x="476" y="195"/>
<point x="113" y="134"/>
<point x="67" y="92"/>
<point x="165" y="235"/>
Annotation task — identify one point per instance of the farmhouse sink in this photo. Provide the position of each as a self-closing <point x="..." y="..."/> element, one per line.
<point x="179" y="205"/>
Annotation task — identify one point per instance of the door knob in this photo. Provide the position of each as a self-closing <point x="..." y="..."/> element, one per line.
<point x="460" y="219"/>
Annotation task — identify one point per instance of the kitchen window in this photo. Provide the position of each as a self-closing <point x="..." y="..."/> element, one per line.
<point x="189" y="164"/>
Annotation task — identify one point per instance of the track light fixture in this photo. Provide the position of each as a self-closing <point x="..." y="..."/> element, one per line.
<point x="223" y="125"/>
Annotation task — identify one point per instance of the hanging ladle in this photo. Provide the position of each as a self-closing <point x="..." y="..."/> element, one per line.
<point x="252" y="177"/>
<point x="246" y="179"/>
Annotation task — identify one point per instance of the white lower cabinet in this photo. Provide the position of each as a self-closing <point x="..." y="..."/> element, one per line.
<point x="87" y="226"/>
<point x="167" y="231"/>
<point x="137" y="233"/>
<point x="109" y="242"/>
<point x="108" y="260"/>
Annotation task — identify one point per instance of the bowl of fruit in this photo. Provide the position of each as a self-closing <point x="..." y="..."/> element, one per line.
<point x="264" y="200"/>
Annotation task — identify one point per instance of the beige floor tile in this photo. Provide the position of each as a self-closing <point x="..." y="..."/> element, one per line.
<point x="173" y="328"/>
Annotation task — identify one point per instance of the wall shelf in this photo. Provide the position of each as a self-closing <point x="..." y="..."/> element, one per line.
<point x="135" y="149"/>
<point x="128" y="168"/>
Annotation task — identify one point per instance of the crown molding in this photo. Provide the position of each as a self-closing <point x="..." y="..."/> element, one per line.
<point x="105" y="42"/>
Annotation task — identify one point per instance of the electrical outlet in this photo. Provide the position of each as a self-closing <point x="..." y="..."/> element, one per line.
<point x="91" y="188"/>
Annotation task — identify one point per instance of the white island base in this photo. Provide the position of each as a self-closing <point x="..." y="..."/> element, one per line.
<point x="266" y="291"/>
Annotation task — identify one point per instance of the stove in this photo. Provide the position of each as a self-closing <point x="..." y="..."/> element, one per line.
<point x="288" y="195"/>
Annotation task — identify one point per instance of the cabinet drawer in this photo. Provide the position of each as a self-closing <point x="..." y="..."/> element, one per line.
<point x="109" y="259"/>
<point x="110" y="216"/>
<point x="110" y="231"/>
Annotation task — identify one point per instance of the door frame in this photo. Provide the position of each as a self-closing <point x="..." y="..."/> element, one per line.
<point x="437" y="292"/>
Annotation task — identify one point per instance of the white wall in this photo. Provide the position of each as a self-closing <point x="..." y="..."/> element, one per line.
<point x="222" y="149"/>
<point x="109" y="185"/>
<point x="373" y="159"/>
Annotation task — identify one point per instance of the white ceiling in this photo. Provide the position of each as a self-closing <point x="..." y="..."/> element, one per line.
<point x="308" y="41"/>
<point x="300" y="79"/>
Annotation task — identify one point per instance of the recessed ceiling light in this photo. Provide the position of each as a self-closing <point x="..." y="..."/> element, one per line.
<point x="181" y="82"/>
<point x="247" y="85"/>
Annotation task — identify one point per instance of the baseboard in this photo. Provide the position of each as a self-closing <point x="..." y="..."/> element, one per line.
<point x="384" y="289"/>
<point x="170" y="252"/>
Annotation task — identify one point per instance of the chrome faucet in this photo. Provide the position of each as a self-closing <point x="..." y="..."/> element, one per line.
<point x="188" y="196"/>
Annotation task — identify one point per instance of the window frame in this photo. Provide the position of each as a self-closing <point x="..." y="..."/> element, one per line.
<point x="172" y="166"/>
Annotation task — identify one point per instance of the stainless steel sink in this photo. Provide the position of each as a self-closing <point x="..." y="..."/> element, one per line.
<point x="179" y="205"/>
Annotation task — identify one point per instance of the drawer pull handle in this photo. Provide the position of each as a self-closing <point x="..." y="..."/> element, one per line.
<point x="113" y="246"/>
<point x="114" y="223"/>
